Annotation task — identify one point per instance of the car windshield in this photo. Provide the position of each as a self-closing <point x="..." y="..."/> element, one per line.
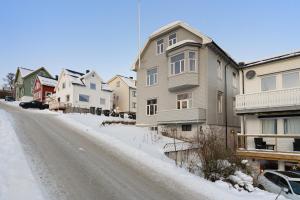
<point x="295" y="186"/>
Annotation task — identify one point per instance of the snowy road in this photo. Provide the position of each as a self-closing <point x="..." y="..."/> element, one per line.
<point x="71" y="166"/>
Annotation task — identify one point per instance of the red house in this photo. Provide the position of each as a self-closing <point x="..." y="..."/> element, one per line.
<point x="43" y="87"/>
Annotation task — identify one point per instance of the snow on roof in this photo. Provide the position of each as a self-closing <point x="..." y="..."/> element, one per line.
<point x="47" y="81"/>
<point x="106" y="87"/>
<point x="166" y="27"/>
<point x="180" y="43"/>
<point x="75" y="77"/>
<point x="169" y="27"/>
<point x="73" y="73"/>
<point x="275" y="58"/>
<point x="130" y="82"/>
<point x="24" y="71"/>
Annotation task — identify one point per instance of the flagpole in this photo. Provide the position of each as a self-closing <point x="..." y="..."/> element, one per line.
<point x="139" y="31"/>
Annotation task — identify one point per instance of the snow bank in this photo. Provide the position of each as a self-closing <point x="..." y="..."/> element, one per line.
<point x="16" y="179"/>
<point x="135" y="146"/>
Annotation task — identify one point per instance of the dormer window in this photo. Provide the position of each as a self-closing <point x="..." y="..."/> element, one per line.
<point x="160" y="46"/>
<point x="172" y="39"/>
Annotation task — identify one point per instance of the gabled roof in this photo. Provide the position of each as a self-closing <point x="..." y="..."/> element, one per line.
<point x="24" y="71"/>
<point x="127" y="80"/>
<point x="47" y="81"/>
<point x="106" y="87"/>
<point x="74" y="73"/>
<point x="272" y="59"/>
<point x="177" y="24"/>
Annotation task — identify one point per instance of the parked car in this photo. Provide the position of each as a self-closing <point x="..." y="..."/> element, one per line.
<point x="286" y="182"/>
<point x="9" y="98"/>
<point x="34" y="104"/>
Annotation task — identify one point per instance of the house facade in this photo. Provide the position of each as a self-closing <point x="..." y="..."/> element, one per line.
<point x="43" y="88"/>
<point x="82" y="90"/>
<point x="269" y="106"/>
<point x="186" y="83"/>
<point x="124" y="94"/>
<point x="24" y="82"/>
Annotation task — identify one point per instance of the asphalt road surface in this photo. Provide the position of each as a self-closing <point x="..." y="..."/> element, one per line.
<point x="70" y="166"/>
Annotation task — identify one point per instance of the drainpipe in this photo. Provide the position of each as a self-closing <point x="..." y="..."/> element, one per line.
<point x="129" y="100"/>
<point x="243" y="92"/>
<point x="225" y="95"/>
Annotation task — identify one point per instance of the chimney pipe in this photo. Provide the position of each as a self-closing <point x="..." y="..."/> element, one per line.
<point x="87" y="71"/>
<point x="56" y="77"/>
<point x="130" y="77"/>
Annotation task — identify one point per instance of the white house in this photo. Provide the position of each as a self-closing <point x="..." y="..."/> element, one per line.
<point x="77" y="89"/>
<point x="269" y="106"/>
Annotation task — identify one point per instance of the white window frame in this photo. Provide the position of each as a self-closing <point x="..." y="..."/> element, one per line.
<point x="220" y="102"/>
<point x="93" y="84"/>
<point x="261" y="80"/>
<point x="88" y="99"/>
<point x="181" y="63"/>
<point x="220" y="69"/>
<point x="155" y="76"/>
<point x="195" y="59"/>
<point x="160" y="47"/>
<point x="269" y="119"/>
<point x="189" y="101"/>
<point x="148" y="107"/>
<point x="173" y="40"/>
<point x="133" y="93"/>
<point x="291" y="73"/>
<point x="103" y="99"/>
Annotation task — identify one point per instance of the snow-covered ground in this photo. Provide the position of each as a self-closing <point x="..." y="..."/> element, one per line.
<point x="16" y="179"/>
<point x="144" y="150"/>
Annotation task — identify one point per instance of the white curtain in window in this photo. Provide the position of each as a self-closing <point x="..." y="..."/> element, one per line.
<point x="269" y="126"/>
<point x="292" y="125"/>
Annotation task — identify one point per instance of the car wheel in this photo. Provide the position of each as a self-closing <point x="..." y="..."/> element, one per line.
<point x="261" y="187"/>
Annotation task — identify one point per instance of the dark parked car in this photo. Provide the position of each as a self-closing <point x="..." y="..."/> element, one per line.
<point x="34" y="104"/>
<point x="9" y="98"/>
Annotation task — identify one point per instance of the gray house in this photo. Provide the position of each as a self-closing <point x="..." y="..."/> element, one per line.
<point x="186" y="82"/>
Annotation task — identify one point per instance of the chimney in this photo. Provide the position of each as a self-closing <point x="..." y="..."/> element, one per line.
<point x="87" y="71"/>
<point x="56" y="77"/>
<point x="241" y="64"/>
<point x="130" y="77"/>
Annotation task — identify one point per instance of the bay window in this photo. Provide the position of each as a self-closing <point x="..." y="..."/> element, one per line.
<point x="177" y="64"/>
<point x="192" y="61"/>
<point x="151" y="106"/>
<point x="184" y="100"/>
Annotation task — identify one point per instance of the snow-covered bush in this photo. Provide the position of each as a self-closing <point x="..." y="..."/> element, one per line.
<point x="219" y="163"/>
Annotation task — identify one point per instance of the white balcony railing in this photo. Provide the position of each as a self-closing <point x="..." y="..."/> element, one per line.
<point x="269" y="99"/>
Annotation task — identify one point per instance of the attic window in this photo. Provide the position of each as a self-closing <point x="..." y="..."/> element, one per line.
<point x="160" y="46"/>
<point x="172" y="39"/>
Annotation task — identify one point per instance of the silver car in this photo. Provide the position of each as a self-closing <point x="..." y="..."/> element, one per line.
<point x="285" y="182"/>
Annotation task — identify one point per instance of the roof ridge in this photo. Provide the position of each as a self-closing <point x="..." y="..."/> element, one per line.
<point x="273" y="58"/>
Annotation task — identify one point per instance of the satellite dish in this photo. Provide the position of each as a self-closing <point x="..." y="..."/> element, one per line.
<point x="250" y="74"/>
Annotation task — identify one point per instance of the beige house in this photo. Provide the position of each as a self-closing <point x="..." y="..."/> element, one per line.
<point x="186" y="82"/>
<point x="269" y="105"/>
<point x="124" y="94"/>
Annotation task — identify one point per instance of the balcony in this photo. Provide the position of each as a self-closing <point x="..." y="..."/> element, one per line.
<point x="277" y="100"/>
<point x="276" y="147"/>
<point x="183" y="81"/>
<point x="190" y="115"/>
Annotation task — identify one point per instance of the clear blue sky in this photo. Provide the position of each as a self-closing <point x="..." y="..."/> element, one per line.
<point x="102" y="35"/>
